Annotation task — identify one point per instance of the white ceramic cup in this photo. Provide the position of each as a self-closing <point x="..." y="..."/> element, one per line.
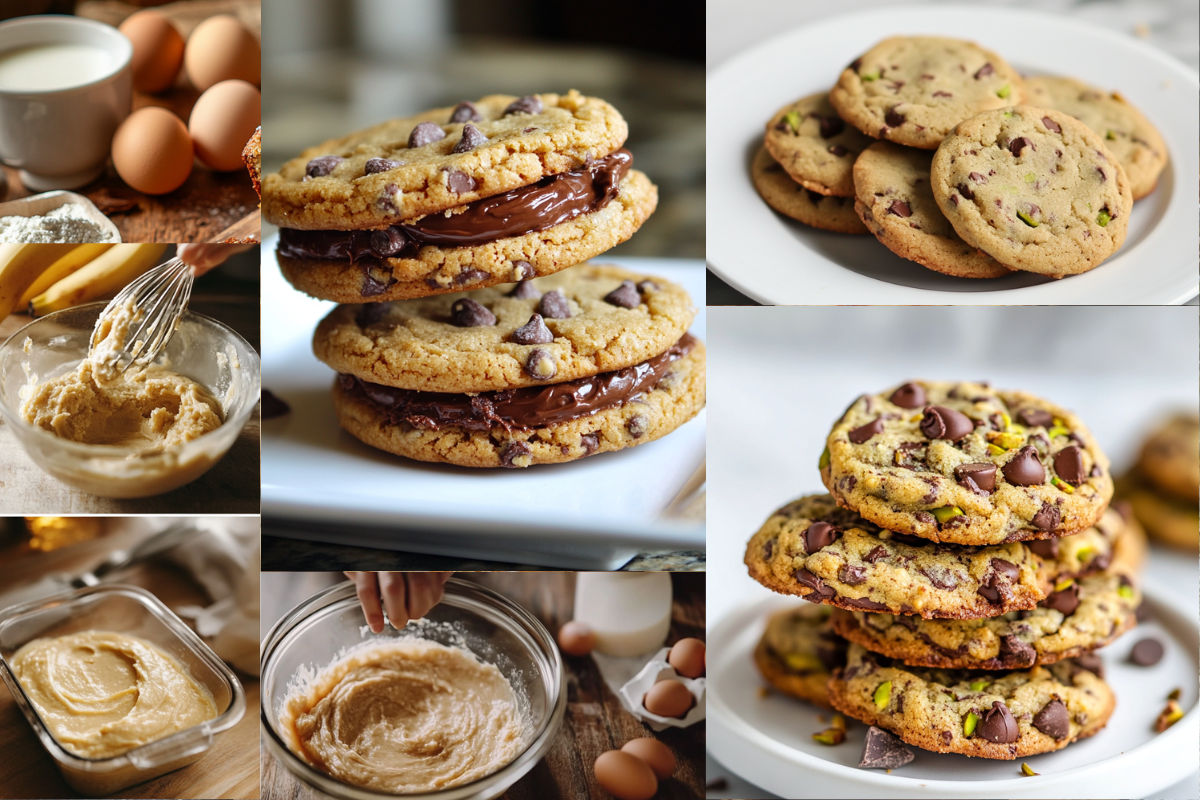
<point x="60" y="139"/>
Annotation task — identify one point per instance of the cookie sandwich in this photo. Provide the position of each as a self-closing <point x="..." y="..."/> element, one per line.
<point x="554" y="369"/>
<point x="498" y="190"/>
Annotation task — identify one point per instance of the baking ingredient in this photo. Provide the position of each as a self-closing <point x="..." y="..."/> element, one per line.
<point x="222" y="121"/>
<point x="102" y="693"/>
<point x="687" y="657"/>
<point x="67" y="223"/>
<point x="20" y="266"/>
<point x="656" y="754"/>
<point x="629" y="611"/>
<point x="404" y="717"/>
<point x="64" y="266"/>
<point x="152" y="151"/>
<point x="157" y="50"/>
<point x="668" y="698"/>
<point x="222" y="49"/>
<point x="108" y="273"/>
<point x="53" y="67"/>
<point x="625" y="776"/>
<point x="576" y="638"/>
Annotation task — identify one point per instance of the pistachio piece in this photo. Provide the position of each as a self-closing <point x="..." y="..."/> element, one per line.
<point x="971" y="722"/>
<point x="996" y="450"/>
<point x="1008" y="113"/>
<point x="1063" y="585"/>
<point x="1008" y="440"/>
<point x="1058" y="429"/>
<point x="1102" y="218"/>
<point x="1027" y="770"/>
<point x="824" y="460"/>
<point x="1030" y="177"/>
<point x="883" y="694"/>
<point x="1126" y="591"/>
<point x="1110" y="135"/>
<point x="839" y="722"/>
<point x="1063" y="485"/>
<point x="1084" y="554"/>
<point x="803" y="662"/>
<point x="1004" y="91"/>
<point x="1175" y="694"/>
<point x="1028" y="220"/>
<point x="871" y="76"/>
<point x="792" y="118"/>
<point x="979" y="686"/>
<point x="830" y="736"/>
<point x="947" y="513"/>
<point x="1169" y="716"/>
<point x="1006" y="419"/>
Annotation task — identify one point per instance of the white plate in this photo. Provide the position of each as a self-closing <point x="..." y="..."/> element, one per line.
<point x="768" y="740"/>
<point x="777" y="260"/>
<point x="594" y="513"/>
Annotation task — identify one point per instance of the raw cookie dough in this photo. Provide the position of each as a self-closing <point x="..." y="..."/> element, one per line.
<point x="102" y="694"/>
<point x="913" y="90"/>
<point x="1170" y="458"/>
<point x="798" y="651"/>
<point x="1034" y="188"/>
<point x="791" y="199"/>
<point x="1016" y="714"/>
<point x="966" y="464"/>
<point x="405" y="717"/>
<point x="814" y="146"/>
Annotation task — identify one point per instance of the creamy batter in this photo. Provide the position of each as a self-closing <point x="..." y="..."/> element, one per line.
<point x="101" y="694"/>
<point x="405" y="717"/>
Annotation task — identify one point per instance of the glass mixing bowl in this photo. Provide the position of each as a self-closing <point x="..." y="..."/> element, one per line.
<point x="316" y="633"/>
<point x="202" y="349"/>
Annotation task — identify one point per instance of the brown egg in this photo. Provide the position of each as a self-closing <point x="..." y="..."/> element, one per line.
<point x="157" y="50"/>
<point x="152" y="151"/>
<point x="655" y="753"/>
<point x="687" y="657"/>
<point x="222" y="121"/>
<point x="576" y="638"/>
<point x="222" y="49"/>
<point x="625" y="776"/>
<point x="668" y="698"/>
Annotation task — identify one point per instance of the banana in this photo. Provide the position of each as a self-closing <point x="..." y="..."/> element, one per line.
<point x="60" y="269"/>
<point x="115" y="267"/>
<point x="20" y="266"/>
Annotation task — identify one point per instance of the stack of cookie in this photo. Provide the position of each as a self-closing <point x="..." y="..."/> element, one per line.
<point x="972" y="564"/>
<point x="416" y="223"/>
<point x="1164" y="486"/>
<point x="953" y="160"/>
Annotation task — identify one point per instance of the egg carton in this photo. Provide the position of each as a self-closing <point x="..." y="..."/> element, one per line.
<point x="656" y="670"/>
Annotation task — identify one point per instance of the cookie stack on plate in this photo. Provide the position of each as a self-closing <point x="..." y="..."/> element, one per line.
<point x="953" y="160"/>
<point x="1164" y="486"/>
<point x="972" y="564"/>
<point x="465" y="339"/>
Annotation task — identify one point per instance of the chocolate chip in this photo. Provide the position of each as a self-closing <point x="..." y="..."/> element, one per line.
<point x="1035" y="418"/>
<point x="940" y="422"/>
<point x="387" y="200"/>
<point x="831" y="126"/>
<point x="838" y="150"/>
<point x="879" y="552"/>
<point x="977" y="478"/>
<point x="1146" y="653"/>
<point x="984" y="71"/>
<point x="942" y="94"/>
<point x="539" y="365"/>
<point x="997" y="725"/>
<point x="1068" y="463"/>
<point x="388" y="242"/>
<point x="637" y="426"/>
<point x="910" y="395"/>
<point x="529" y="104"/>
<point x="1051" y="125"/>
<point x="852" y="575"/>
<point x="272" y="406"/>
<point x="377" y="165"/>
<point x="1065" y="601"/>
<point x="469" y="276"/>
<point x="1047" y="518"/>
<point x="894" y="119"/>
<point x="647" y="286"/>
<point x="533" y="332"/>
<point x="975" y="176"/>
<point x="1024" y="469"/>
<point x="1020" y="143"/>
<point x="460" y="182"/>
<point x="947" y="737"/>
<point x="864" y="433"/>
<point x="466" y="313"/>
<point x="471" y="138"/>
<point x="523" y="271"/>
<point x="1053" y="719"/>
<point x="1143" y="613"/>
<point x="942" y="579"/>
<point x="525" y="290"/>
<point x="370" y="313"/>
<point x="1103" y="177"/>
<point x="820" y="590"/>
<point x="855" y="64"/>
<point x="820" y="534"/>
<point x="373" y="286"/>
<point x="900" y="209"/>
<point x="716" y="785"/>
<point x="321" y="166"/>
<point x="516" y="455"/>
<point x="426" y="133"/>
<point x="1021" y="654"/>
<point x="864" y="604"/>
<point x="994" y="588"/>
<point x="590" y="442"/>
<point x="554" y="305"/>
<point x="965" y="191"/>
<point x="1046" y="548"/>
<point x="1006" y="568"/>
<point x="626" y="296"/>
<point x="1092" y="663"/>
<point x="465" y="112"/>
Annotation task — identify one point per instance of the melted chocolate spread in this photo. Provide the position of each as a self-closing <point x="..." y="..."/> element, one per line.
<point x="531" y="407"/>
<point x="551" y="201"/>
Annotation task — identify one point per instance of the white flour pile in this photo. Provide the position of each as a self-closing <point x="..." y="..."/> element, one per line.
<point x="65" y="224"/>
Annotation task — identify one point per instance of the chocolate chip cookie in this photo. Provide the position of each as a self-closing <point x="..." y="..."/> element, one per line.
<point x="913" y="90"/>
<point x="551" y="370"/>
<point x="1166" y="519"/>
<point x="966" y="464"/>
<point x="791" y="199"/>
<point x="1128" y="134"/>
<point x="798" y="651"/>
<point x="1034" y="188"/>
<point x="814" y="146"/>
<point x="894" y="199"/>
<point x="1000" y="715"/>
<point x="1170" y="458"/>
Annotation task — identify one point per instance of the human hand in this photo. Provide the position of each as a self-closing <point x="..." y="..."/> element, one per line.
<point x="204" y="257"/>
<point x="405" y="595"/>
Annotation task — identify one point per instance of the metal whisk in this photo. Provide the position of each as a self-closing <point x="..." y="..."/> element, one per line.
<point x="160" y="296"/>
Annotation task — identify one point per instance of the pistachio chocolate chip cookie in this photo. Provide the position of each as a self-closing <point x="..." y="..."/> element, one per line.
<point x="814" y="146"/>
<point x="1170" y="458"/>
<point x="913" y="90"/>
<point x="1167" y="519"/>
<point x="1034" y="188"/>
<point x="829" y="555"/>
<point x="791" y="199"/>
<point x="1128" y="134"/>
<point x="1001" y="715"/>
<point x="894" y="199"/>
<point x="798" y="651"/>
<point x="552" y="370"/>
<point x="966" y="464"/>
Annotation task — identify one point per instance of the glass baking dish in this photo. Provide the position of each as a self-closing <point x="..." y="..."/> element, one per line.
<point x="122" y="609"/>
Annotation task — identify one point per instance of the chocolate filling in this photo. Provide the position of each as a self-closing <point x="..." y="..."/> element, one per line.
<point x="527" y="408"/>
<point x="551" y="201"/>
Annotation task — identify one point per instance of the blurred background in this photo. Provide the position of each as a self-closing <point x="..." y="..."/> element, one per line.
<point x="334" y="66"/>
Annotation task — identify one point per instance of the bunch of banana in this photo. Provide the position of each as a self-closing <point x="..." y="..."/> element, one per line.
<point x="21" y="265"/>
<point x="105" y="275"/>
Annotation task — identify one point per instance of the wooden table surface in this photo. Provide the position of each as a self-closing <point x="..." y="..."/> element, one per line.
<point x="594" y="721"/>
<point x="230" y="487"/>
<point x="229" y="770"/>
